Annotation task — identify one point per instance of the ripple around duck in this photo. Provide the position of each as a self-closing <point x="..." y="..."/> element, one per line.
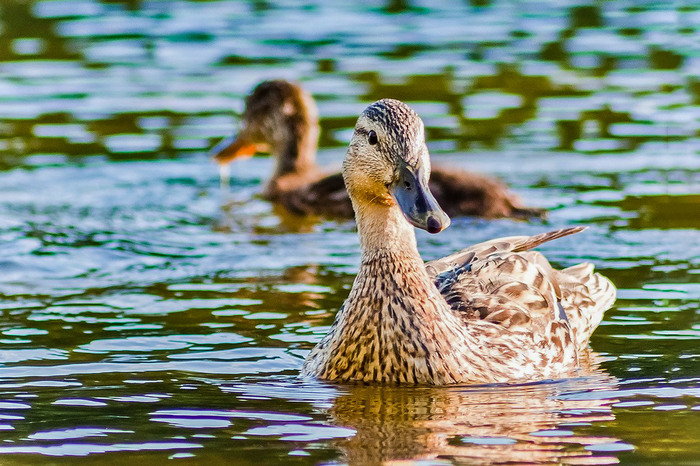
<point x="146" y="313"/>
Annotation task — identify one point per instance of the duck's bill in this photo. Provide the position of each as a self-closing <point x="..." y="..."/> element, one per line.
<point x="233" y="148"/>
<point x="417" y="203"/>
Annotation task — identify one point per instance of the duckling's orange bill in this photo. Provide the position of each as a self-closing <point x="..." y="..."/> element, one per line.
<point x="232" y="148"/>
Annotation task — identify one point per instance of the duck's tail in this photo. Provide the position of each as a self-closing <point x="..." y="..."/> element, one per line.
<point x="587" y="294"/>
<point x="592" y="300"/>
<point x="600" y="288"/>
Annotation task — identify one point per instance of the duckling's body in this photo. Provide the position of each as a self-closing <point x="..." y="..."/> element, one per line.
<point x="494" y="312"/>
<point x="282" y="118"/>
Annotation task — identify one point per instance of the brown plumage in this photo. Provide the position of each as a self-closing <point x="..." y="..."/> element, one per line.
<point x="282" y="118"/>
<point x="494" y="312"/>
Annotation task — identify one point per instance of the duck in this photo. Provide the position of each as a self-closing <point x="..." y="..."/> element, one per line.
<point x="280" y="117"/>
<point x="495" y="312"/>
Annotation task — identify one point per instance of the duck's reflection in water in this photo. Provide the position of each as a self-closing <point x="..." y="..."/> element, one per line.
<point x="521" y="424"/>
<point x="252" y="215"/>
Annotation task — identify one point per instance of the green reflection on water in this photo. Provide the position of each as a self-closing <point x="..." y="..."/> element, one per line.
<point x="139" y="314"/>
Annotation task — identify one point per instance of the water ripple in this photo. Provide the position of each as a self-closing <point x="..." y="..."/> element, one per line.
<point x="173" y="316"/>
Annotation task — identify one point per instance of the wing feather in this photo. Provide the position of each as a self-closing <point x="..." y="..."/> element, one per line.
<point x="502" y="282"/>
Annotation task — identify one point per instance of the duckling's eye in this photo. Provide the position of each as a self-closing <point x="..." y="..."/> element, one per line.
<point x="372" y="138"/>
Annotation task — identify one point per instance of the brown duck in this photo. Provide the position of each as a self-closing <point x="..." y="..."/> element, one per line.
<point x="494" y="312"/>
<point x="282" y="118"/>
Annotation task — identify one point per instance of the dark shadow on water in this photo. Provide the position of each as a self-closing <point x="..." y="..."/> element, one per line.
<point x="660" y="211"/>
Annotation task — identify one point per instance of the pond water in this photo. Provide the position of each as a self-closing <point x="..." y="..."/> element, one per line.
<point x="147" y="314"/>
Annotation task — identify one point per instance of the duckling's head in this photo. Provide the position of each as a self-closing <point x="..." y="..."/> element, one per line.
<point x="388" y="163"/>
<point x="279" y="117"/>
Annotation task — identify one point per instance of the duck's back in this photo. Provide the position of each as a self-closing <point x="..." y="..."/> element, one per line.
<point x="458" y="191"/>
<point x="324" y="195"/>
<point x="503" y="282"/>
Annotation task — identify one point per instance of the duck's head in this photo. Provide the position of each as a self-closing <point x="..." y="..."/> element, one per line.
<point x="388" y="164"/>
<point x="280" y="118"/>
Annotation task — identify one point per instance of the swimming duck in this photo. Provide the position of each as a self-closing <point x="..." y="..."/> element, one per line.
<point x="494" y="312"/>
<point x="280" y="117"/>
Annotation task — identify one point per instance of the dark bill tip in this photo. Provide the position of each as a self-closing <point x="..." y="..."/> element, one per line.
<point x="420" y="208"/>
<point x="434" y="225"/>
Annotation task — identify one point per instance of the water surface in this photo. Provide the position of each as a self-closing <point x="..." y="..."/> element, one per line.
<point x="144" y="313"/>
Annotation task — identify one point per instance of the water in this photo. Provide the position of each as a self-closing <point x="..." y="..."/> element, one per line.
<point x="146" y="314"/>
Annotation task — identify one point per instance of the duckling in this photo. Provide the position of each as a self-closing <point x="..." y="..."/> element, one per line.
<point x="282" y="118"/>
<point x="493" y="312"/>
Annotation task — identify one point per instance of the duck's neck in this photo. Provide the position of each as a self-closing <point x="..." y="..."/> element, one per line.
<point x="384" y="233"/>
<point x="296" y="154"/>
<point x="395" y="326"/>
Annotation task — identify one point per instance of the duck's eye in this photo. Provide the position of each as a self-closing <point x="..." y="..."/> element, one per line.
<point x="372" y="138"/>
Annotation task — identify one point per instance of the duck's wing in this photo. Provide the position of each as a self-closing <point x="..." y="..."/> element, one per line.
<point x="465" y="193"/>
<point x="505" y="244"/>
<point x="503" y="282"/>
<point x="325" y="196"/>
